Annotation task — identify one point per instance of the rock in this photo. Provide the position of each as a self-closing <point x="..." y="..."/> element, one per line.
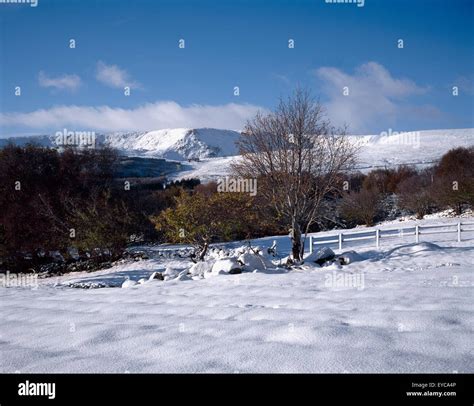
<point x="88" y="285"/>
<point x="324" y="254"/>
<point x="349" y="257"/>
<point x="170" y="272"/>
<point x="128" y="283"/>
<point x="137" y="255"/>
<point x="56" y="256"/>
<point x="73" y="253"/>
<point x="52" y="268"/>
<point x="201" y="267"/>
<point x="183" y="276"/>
<point x="332" y="265"/>
<point x="250" y="262"/>
<point x="156" y="275"/>
<point x="226" y="266"/>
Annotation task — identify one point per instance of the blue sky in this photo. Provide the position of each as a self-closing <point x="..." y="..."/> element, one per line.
<point x="234" y="43"/>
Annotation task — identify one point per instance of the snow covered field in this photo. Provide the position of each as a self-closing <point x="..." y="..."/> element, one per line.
<point x="404" y="308"/>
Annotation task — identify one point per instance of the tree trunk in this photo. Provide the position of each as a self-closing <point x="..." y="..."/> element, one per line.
<point x="203" y="251"/>
<point x="199" y="252"/>
<point x="295" y="236"/>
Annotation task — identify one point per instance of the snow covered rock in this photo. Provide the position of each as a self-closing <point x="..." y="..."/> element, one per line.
<point x="201" y="268"/>
<point x="128" y="283"/>
<point x="252" y="262"/>
<point x="88" y="285"/>
<point x="349" y="257"/>
<point x="174" y="274"/>
<point x="321" y="256"/>
<point x="226" y="266"/>
<point x="170" y="273"/>
<point x="183" y="276"/>
<point x="156" y="275"/>
<point x="218" y="253"/>
<point x="331" y="266"/>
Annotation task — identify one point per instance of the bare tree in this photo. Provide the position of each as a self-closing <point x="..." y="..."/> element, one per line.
<point x="416" y="193"/>
<point x="453" y="179"/>
<point x="361" y="207"/>
<point x="298" y="157"/>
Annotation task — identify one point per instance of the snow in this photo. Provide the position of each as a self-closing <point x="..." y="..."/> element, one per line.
<point x="209" y="169"/>
<point x="320" y="255"/>
<point x="225" y="266"/>
<point x="177" y="144"/>
<point x="406" y="307"/>
<point x="349" y="257"/>
<point x="213" y="150"/>
<point x="253" y="262"/>
<point x="418" y="148"/>
<point x="201" y="268"/>
<point x="128" y="283"/>
<point x="174" y="144"/>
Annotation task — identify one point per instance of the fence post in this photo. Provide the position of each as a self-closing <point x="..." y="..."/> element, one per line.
<point x="340" y="241"/>
<point x="459" y="231"/>
<point x="310" y="244"/>
<point x="417" y="233"/>
<point x="377" y="238"/>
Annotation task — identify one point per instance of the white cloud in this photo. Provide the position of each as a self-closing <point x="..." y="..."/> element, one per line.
<point x="64" y="82"/>
<point x="374" y="96"/>
<point x="113" y="76"/>
<point x="159" y="115"/>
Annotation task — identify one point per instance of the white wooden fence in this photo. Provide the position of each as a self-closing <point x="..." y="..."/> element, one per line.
<point x="377" y="234"/>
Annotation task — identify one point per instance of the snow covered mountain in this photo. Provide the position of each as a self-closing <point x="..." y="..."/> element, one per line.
<point x="390" y="149"/>
<point x="215" y="149"/>
<point x="418" y="148"/>
<point x="177" y="144"/>
<point x="174" y="144"/>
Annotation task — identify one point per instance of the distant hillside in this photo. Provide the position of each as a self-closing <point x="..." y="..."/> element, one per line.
<point x="175" y="144"/>
<point x="214" y="148"/>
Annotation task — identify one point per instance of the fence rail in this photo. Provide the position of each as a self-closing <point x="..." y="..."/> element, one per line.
<point x="381" y="234"/>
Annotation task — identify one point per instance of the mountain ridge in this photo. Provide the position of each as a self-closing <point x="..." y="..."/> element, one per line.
<point x="181" y="144"/>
